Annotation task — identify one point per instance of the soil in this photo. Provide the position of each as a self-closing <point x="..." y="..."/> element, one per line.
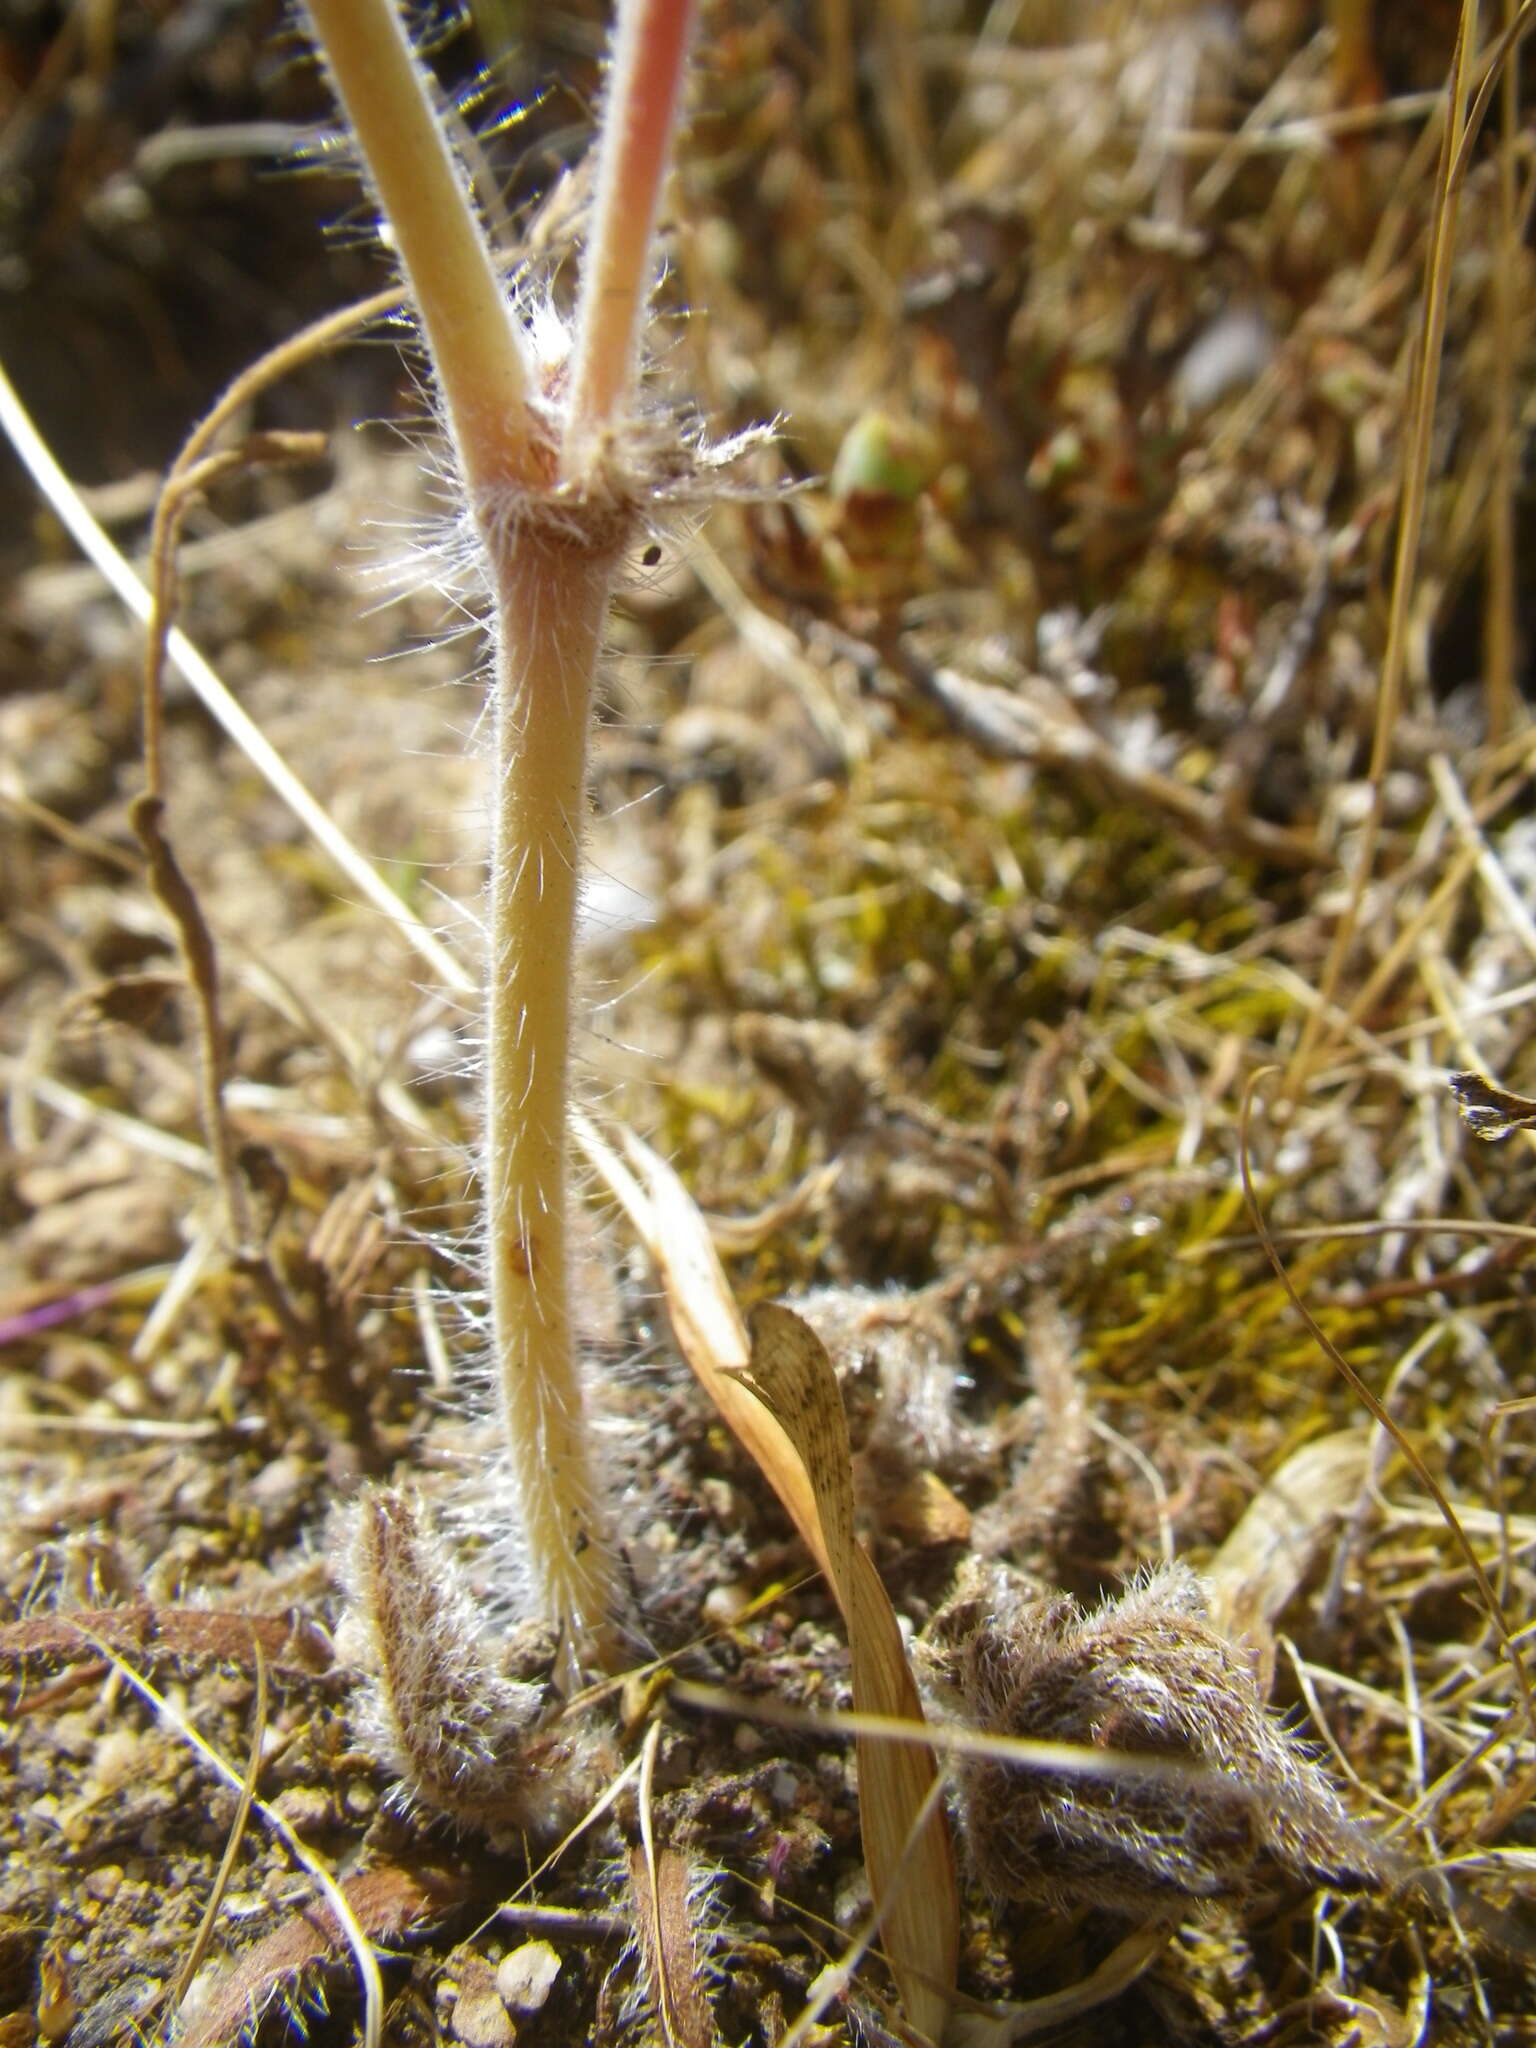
<point x="1019" y="906"/>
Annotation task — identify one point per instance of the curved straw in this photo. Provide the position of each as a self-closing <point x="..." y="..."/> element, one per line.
<point x="130" y="588"/>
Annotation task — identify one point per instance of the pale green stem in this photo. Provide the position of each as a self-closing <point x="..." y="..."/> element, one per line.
<point x="554" y="602"/>
<point x="650" y="54"/>
<point x="474" y="340"/>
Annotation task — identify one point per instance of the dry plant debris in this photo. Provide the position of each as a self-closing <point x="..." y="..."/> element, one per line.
<point x="975" y="823"/>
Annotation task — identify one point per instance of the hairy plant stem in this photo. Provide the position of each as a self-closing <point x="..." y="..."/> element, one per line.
<point x="650" y="51"/>
<point x="553" y="600"/>
<point x="476" y="349"/>
<point x="553" y="506"/>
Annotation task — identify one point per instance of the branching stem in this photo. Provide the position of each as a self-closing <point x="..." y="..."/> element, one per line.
<point x="553" y="508"/>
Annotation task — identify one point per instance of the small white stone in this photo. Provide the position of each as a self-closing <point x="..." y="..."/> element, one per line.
<point x="725" y="1604"/>
<point x="1230" y="354"/>
<point x="525" y="1976"/>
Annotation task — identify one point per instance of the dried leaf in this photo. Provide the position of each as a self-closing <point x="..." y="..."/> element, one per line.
<point x="1489" y="1112"/>
<point x="178" y="1635"/>
<point x="920" y="1933"/>
<point x="666" y="1939"/>
<point x="389" y="1904"/>
<point x="1283" y="1532"/>
<point x="792" y="1375"/>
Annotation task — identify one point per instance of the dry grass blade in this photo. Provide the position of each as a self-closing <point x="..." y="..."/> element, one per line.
<point x="594" y="1813"/>
<point x="1500" y="628"/>
<point x="1382" y="1415"/>
<point x="335" y="1898"/>
<point x="225" y="1872"/>
<point x="1491" y="871"/>
<point x="1030" y="1752"/>
<point x="237" y="723"/>
<point x="796" y="1432"/>
<point x="1498" y="68"/>
<point x="1424" y="387"/>
<point x="195" y="1635"/>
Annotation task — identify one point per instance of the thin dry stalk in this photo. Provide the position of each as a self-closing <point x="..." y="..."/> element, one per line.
<point x="178" y="899"/>
<point x="1499" y="629"/>
<point x="1067" y="1758"/>
<point x="193" y="1962"/>
<point x="1415" y="481"/>
<point x="187" y="481"/>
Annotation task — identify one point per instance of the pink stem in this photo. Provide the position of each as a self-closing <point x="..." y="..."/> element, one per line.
<point x="650" y="51"/>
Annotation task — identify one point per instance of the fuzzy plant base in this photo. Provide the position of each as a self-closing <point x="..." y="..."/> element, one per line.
<point x="1237" y="1802"/>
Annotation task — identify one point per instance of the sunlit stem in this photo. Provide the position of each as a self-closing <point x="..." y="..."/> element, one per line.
<point x="639" y="121"/>
<point x="474" y="341"/>
<point x="554" y="602"/>
<point x="552" y="522"/>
